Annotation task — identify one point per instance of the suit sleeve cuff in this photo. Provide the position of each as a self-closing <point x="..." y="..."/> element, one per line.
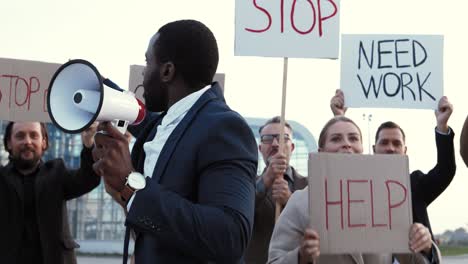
<point x="129" y="204"/>
<point x="442" y="133"/>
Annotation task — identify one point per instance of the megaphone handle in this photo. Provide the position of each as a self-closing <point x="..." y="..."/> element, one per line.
<point x="121" y="125"/>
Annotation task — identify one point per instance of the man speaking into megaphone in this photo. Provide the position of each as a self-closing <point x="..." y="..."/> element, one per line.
<point x="189" y="184"/>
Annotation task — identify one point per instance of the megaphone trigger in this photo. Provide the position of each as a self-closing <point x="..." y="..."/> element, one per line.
<point x="121" y="125"/>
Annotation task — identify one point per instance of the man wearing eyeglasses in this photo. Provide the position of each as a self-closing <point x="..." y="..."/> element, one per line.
<point x="277" y="182"/>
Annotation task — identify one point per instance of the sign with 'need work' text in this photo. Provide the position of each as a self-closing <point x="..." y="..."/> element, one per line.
<point x="392" y="71"/>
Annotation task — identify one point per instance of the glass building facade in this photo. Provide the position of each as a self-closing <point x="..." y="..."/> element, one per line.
<point x="96" y="217"/>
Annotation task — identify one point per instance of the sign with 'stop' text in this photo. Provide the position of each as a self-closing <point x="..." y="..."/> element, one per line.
<point x="392" y="71"/>
<point x="136" y="80"/>
<point x="287" y="28"/>
<point x="23" y="89"/>
<point x="360" y="203"/>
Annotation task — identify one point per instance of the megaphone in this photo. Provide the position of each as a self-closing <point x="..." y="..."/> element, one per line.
<point x="79" y="95"/>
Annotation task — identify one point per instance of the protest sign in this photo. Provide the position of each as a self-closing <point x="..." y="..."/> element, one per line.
<point x="23" y="89"/>
<point x="392" y="71"/>
<point x="360" y="203"/>
<point x="287" y="28"/>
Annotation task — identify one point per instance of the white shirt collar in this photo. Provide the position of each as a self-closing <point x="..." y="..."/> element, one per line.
<point x="182" y="106"/>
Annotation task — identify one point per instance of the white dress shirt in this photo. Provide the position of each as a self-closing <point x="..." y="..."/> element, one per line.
<point x="174" y="115"/>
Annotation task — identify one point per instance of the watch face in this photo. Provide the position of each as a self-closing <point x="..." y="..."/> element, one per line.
<point x="136" y="181"/>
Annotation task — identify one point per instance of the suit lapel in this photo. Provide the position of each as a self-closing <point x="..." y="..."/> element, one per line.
<point x="138" y="152"/>
<point x="175" y="136"/>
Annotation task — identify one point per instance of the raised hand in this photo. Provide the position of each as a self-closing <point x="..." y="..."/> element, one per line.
<point x="337" y="103"/>
<point x="310" y="247"/>
<point x="87" y="136"/>
<point x="420" y="238"/>
<point x="443" y="113"/>
<point x="280" y="191"/>
<point x="112" y="156"/>
<point x="276" y="167"/>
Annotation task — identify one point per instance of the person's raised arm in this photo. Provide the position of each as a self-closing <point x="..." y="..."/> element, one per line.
<point x="82" y="180"/>
<point x="437" y="179"/>
<point x="443" y="113"/>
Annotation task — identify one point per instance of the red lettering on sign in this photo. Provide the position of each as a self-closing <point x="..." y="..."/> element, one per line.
<point x="315" y="15"/>
<point x="18" y="87"/>
<point x="20" y="90"/>
<point x="391" y="194"/>
<point x="339" y="202"/>
<point x="32" y="91"/>
<point x="266" y="13"/>
<point x="372" y="206"/>
<point x="353" y="201"/>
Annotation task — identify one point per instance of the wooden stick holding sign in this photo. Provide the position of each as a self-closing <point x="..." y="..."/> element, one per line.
<point x="311" y="30"/>
<point x="282" y="122"/>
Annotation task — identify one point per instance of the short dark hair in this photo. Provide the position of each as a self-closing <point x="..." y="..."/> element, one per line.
<point x="192" y="48"/>
<point x="334" y="120"/>
<point x="9" y="129"/>
<point x="389" y="125"/>
<point x="274" y="120"/>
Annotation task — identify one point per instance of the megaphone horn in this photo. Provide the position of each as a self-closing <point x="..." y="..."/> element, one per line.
<point x="78" y="96"/>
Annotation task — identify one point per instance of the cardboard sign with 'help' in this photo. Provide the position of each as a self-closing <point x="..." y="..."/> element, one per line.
<point x="360" y="203"/>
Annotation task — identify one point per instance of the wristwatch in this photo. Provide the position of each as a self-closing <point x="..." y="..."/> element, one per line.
<point x="135" y="181"/>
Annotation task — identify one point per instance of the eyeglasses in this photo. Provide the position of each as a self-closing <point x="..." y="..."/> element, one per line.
<point x="268" y="138"/>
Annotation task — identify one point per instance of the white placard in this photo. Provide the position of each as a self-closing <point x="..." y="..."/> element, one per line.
<point x="287" y="28"/>
<point x="392" y="71"/>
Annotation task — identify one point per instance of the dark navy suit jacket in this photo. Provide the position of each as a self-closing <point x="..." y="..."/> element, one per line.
<point x="425" y="188"/>
<point x="198" y="206"/>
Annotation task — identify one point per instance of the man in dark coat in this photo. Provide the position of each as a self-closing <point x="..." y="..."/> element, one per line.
<point x="189" y="183"/>
<point x="33" y="192"/>
<point x="271" y="188"/>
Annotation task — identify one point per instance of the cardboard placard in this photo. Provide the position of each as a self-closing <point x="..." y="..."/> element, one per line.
<point x="23" y="89"/>
<point x="287" y="28"/>
<point x="360" y="203"/>
<point x="392" y="71"/>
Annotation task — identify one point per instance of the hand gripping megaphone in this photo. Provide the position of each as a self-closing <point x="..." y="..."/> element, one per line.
<point x="79" y="95"/>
